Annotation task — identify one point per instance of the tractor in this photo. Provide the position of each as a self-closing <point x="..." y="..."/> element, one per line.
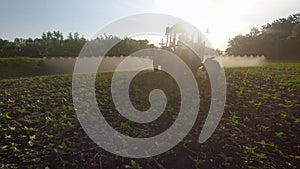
<point x="189" y="46"/>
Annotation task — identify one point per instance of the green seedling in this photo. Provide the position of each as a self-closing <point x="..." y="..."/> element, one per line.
<point x="23" y="110"/>
<point x="133" y="165"/>
<point x="251" y="151"/>
<point x="240" y="92"/>
<point x="263" y="127"/>
<point x="297" y="121"/>
<point x="198" y="162"/>
<point x="185" y="142"/>
<point x="14" y="148"/>
<point x="227" y="159"/>
<point x="258" y="105"/>
<point x="246" y="119"/>
<point x="279" y="134"/>
<point x="126" y="125"/>
<point x="234" y="119"/>
<point x="283" y="115"/>
<point x="264" y="143"/>
<point x="5" y="115"/>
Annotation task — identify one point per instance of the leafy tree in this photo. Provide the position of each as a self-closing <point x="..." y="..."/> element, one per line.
<point x="278" y="40"/>
<point x="295" y="31"/>
<point x="53" y="44"/>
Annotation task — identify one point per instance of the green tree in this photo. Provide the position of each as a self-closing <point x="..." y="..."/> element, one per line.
<point x="277" y="40"/>
<point x="295" y="32"/>
<point x="53" y="44"/>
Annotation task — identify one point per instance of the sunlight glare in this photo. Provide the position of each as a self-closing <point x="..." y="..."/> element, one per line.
<point x="222" y="18"/>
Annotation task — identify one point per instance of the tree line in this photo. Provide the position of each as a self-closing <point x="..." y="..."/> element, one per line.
<point x="54" y="44"/>
<point x="279" y="40"/>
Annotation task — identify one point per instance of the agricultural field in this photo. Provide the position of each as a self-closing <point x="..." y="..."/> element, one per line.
<point x="259" y="129"/>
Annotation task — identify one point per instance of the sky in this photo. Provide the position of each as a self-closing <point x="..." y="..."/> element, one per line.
<point x="223" y="19"/>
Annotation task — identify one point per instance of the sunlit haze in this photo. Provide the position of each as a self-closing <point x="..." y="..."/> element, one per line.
<point x="224" y="19"/>
<point x="218" y="19"/>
